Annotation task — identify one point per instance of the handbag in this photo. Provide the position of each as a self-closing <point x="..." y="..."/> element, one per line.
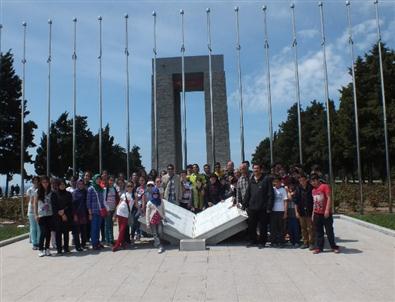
<point x="156" y="218"/>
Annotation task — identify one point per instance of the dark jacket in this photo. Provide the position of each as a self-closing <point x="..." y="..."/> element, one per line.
<point x="62" y="200"/>
<point x="259" y="195"/>
<point x="304" y="200"/>
<point x="213" y="193"/>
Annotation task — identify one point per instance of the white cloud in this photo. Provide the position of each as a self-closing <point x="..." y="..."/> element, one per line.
<point x="308" y="33"/>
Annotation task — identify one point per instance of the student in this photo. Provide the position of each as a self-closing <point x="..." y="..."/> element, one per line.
<point x="198" y="183"/>
<point x="95" y="203"/>
<point x="217" y="170"/>
<point x="304" y="211"/>
<point x="154" y="215"/>
<point x="322" y="215"/>
<point x="79" y="216"/>
<point x="129" y="196"/>
<point x="123" y="213"/>
<point x="62" y="208"/>
<point x="73" y="184"/>
<point x="34" y="228"/>
<point x="43" y="213"/>
<point x="292" y="220"/>
<point x="278" y="214"/>
<point x="140" y="202"/>
<point x="186" y="191"/>
<point x="110" y="202"/>
<point x="158" y="184"/>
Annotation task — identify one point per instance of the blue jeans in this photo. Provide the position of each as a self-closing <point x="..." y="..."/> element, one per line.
<point x="34" y="230"/>
<point x="293" y="230"/>
<point x="95" y="229"/>
<point x="136" y="223"/>
<point x="108" y="228"/>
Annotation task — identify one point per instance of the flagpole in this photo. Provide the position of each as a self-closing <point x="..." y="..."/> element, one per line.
<point x="238" y="48"/>
<point x="49" y="60"/>
<point x="387" y="157"/>
<point x="155" y="101"/>
<point x="127" y="98"/>
<point x="269" y="94"/>
<point x="211" y="87"/>
<point x="297" y="87"/>
<point x="183" y="101"/>
<point x="74" y="57"/>
<point x="354" y="86"/>
<point x="24" y="24"/>
<point x="100" y="97"/>
<point x="326" y="90"/>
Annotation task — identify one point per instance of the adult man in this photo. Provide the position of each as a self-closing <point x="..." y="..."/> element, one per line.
<point x="248" y="167"/>
<point x="259" y="203"/>
<point x="217" y="170"/>
<point x="242" y="184"/>
<point x="172" y="186"/>
<point x="207" y="172"/>
<point x="230" y="168"/>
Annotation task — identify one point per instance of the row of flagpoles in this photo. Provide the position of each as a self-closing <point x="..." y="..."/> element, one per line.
<point x="183" y="100"/>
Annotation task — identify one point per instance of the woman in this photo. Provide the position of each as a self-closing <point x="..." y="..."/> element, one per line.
<point x="96" y="209"/>
<point x="43" y="214"/>
<point x="79" y="216"/>
<point x="213" y="192"/>
<point x="140" y="202"/>
<point x="62" y="208"/>
<point x="34" y="228"/>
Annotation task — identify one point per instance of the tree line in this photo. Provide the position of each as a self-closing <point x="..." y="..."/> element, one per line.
<point x="371" y="129"/>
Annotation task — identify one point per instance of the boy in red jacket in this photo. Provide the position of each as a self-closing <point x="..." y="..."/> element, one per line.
<point x="322" y="215"/>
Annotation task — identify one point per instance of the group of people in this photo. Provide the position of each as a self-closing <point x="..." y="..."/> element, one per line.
<point x="277" y="202"/>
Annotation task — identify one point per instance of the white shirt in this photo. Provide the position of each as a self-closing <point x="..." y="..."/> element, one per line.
<point x="280" y="195"/>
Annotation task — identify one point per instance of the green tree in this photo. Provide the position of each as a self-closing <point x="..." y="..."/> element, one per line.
<point x="135" y="159"/>
<point x="61" y="140"/>
<point x="370" y="114"/>
<point x="10" y="120"/>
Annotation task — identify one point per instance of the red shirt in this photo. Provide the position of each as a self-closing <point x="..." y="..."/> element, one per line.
<point x="320" y="197"/>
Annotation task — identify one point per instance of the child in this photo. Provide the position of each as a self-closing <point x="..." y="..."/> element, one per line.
<point x="278" y="215"/>
<point x="290" y="213"/>
<point x="322" y="215"/>
<point x="33" y="226"/>
<point x="123" y="212"/>
<point x="79" y="216"/>
<point x="44" y="215"/>
<point x="140" y="202"/>
<point x="110" y="201"/>
<point x="304" y="211"/>
<point x="186" y="189"/>
<point x="154" y="215"/>
<point x="95" y="203"/>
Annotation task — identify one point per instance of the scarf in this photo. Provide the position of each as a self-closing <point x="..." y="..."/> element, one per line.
<point x="156" y="201"/>
<point x="97" y="187"/>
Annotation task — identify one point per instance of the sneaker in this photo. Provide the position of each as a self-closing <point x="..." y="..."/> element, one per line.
<point x="296" y="245"/>
<point x="41" y="254"/>
<point x="336" y="250"/>
<point x="304" y="246"/>
<point x="35" y="248"/>
<point x="311" y="248"/>
<point x="48" y="252"/>
<point x="116" y="248"/>
<point x="59" y="254"/>
<point x="160" y="250"/>
<point x="316" y="251"/>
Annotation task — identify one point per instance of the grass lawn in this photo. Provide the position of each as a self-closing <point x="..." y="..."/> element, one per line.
<point x="386" y="220"/>
<point x="9" y="231"/>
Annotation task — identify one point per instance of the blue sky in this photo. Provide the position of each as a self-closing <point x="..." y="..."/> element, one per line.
<point x="36" y="14"/>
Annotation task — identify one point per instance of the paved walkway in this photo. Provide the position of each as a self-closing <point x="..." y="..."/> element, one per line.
<point x="365" y="271"/>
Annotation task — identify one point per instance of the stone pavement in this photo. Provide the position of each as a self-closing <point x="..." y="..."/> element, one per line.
<point x="364" y="271"/>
